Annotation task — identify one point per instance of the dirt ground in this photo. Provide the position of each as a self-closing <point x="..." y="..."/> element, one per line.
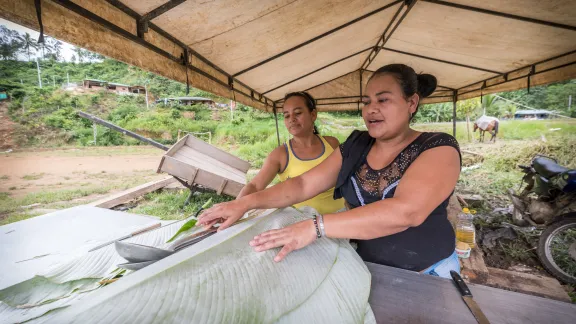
<point x="23" y="172"/>
<point x="6" y="127"/>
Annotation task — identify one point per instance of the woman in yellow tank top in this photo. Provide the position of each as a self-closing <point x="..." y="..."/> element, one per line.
<point x="303" y="152"/>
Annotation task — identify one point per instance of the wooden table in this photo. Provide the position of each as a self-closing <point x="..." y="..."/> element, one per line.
<point x="401" y="296"/>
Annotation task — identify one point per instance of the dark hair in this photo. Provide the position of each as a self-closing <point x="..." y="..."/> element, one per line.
<point x="308" y="99"/>
<point x="410" y="81"/>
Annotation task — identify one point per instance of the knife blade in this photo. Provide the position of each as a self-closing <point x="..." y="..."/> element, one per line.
<point x="468" y="298"/>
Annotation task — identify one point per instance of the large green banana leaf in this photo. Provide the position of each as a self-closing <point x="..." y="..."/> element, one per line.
<point x="222" y="280"/>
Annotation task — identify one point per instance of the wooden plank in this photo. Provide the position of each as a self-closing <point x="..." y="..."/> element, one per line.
<point x="401" y="296"/>
<point x="176" y="146"/>
<point x="205" y="178"/>
<point x="217" y="154"/>
<point x="209" y="164"/>
<point x="121" y="197"/>
<point x="474" y="268"/>
<point x="177" y="168"/>
<point x="527" y="283"/>
<point x="222" y="186"/>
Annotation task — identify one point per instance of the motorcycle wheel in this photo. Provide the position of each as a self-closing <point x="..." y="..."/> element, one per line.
<point x="556" y="249"/>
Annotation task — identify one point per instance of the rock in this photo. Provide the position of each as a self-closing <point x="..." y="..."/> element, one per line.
<point x="490" y="238"/>
<point x="503" y="211"/>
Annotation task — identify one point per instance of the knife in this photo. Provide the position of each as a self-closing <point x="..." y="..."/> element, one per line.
<point x="467" y="297"/>
<point x="140" y="231"/>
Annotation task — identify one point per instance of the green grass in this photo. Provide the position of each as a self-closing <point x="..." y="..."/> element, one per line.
<point x="16" y="217"/>
<point x="33" y="176"/>
<point x="168" y="204"/>
<point x="4" y="177"/>
<point x="63" y="198"/>
<point x="509" y="129"/>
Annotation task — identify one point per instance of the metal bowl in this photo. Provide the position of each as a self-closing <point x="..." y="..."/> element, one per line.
<point x="135" y="253"/>
<point x="134" y="265"/>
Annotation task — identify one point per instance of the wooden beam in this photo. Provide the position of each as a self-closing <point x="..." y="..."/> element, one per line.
<point x="124" y="196"/>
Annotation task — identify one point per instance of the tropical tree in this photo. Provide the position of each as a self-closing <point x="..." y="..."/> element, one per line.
<point x="467" y="108"/>
<point x="9" y="44"/>
<point x="80" y="53"/>
<point x="28" y="43"/>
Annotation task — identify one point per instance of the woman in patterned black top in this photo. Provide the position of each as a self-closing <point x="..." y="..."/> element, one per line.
<point x="396" y="182"/>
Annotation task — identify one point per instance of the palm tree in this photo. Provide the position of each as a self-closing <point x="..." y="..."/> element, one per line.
<point x="28" y="43"/>
<point x="79" y="53"/>
<point x="491" y="105"/>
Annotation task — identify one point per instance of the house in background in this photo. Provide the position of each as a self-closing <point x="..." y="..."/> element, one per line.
<point x="94" y="84"/>
<point x="533" y="114"/>
<point x="118" y="88"/>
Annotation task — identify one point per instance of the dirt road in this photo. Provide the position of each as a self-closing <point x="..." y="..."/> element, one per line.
<point x="32" y="171"/>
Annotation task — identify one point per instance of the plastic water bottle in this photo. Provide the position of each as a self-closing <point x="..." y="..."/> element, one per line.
<point x="465" y="231"/>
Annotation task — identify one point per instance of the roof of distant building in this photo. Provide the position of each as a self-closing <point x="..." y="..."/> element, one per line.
<point x="186" y="98"/>
<point x="533" y="112"/>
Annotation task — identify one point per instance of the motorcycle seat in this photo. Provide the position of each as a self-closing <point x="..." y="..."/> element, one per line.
<point x="547" y="168"/>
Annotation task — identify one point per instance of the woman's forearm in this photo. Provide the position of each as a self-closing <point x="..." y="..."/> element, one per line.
<point x="248" y="189"/>
<point x="281" y="195"/>
<point x="371" y="221"/>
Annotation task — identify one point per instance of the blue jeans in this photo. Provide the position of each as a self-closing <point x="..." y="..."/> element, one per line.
<point x="442" y="268"/>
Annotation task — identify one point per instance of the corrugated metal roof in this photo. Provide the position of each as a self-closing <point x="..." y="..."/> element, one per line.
<point x="533" y="112"/>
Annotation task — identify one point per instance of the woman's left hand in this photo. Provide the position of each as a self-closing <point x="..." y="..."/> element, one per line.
<point x="293" y="237"/>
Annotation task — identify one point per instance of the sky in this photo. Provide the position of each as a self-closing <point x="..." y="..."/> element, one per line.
<point x="66" y="48"/>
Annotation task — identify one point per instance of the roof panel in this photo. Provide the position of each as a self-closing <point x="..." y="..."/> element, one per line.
<point x="347" y="41"/>
<point x="448" y="75"/>
<point x="195" y="21"/>
<point x="346" y="85"/>
<point x="558" y="11"/>
<point x="335" y="71"/>
<point x="478" y="39"/>
<point x="143" y="6"/>
<point x="280" y="30"/>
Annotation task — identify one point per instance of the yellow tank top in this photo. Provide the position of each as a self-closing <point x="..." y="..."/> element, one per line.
<point x="324" y="203"/>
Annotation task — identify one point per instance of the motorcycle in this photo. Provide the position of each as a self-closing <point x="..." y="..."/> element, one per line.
<point x="548" y="202"/>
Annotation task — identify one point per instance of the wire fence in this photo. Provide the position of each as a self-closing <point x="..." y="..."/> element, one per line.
<point x="182" y="133"/>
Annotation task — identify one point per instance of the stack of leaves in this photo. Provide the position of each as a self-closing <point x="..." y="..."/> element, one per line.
<point x="222" y="280"/>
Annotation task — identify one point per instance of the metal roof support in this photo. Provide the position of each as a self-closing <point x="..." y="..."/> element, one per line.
<point x="383" y="39"/>
<point x="276" y="119"/>
<point x="441" y="61"/>
<point x="161" y="10"/>
<point x="454" y="99"/>
<point x="517" y="78"/>
<point x="502" y="14"/>
<point x="142" y="22"/>
<point x="317" y="70"/>
<point x="506" y="75"/>
<point x="361" y="72"/>
<point x="317" y="38"/>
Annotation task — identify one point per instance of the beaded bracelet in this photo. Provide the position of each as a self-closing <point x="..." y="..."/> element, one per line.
<point x="318" y="235"/>
<point x="321" y="224"/>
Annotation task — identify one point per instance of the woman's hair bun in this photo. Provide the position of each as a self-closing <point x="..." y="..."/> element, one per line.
<point x="426" y="84"/>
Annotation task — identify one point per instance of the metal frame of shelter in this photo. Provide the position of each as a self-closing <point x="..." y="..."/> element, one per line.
<point x="114" y="22"/>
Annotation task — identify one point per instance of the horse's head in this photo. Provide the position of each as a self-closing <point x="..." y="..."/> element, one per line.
<point x="475" y="127"/>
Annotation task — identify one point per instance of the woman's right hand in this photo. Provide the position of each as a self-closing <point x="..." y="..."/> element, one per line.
<point x="226" y="213"/>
